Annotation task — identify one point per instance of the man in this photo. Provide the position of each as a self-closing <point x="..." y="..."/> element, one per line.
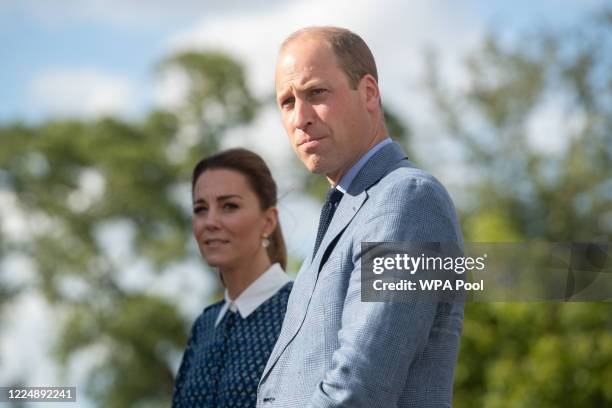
<point x="335" y="350"/>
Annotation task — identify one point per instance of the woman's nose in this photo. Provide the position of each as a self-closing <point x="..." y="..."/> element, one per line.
<point x="212" y="220"/>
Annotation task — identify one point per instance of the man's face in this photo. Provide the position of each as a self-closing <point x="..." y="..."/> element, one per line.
<point x="326" y="120"/>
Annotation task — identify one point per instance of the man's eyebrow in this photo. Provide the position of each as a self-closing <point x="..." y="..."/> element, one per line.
<point x="300" y="88"/>
<point x="283" y="93"/>
<point x="313" y="83"/>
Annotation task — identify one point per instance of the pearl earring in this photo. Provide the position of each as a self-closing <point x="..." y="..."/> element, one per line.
<point x="265" y="242"/>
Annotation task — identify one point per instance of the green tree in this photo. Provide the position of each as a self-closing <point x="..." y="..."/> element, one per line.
<point x="74" y="179"/>
<point x="537" y="354"/>
<point x="217" y="95"/>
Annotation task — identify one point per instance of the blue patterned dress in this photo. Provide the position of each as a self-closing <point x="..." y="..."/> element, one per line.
<point x="222" y="365"/>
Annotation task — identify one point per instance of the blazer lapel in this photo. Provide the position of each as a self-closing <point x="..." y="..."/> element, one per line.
<point x="374" y="169"/>
<point x="348" y="207"/>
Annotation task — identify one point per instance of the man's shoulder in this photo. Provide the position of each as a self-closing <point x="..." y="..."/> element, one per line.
<point x="405" y="170"/>
<point x="407" y="179"/>
<point x="413" y="205"/>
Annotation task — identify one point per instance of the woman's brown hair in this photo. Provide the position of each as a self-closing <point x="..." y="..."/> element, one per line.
<point x="260" y="180"/>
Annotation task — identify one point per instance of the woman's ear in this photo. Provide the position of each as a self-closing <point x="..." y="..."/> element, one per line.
<point x="271" y="215"/>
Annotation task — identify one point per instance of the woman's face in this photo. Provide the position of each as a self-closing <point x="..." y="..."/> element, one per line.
<point x="228" y="223"/>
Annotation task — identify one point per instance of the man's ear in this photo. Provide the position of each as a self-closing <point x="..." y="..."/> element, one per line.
<point x="370" y="92"/>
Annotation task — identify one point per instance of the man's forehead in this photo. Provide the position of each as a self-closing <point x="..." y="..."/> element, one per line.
<point x="303" y="78"/>
<point x="301" y="61"/>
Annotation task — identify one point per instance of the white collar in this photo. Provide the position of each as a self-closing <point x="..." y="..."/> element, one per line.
<point x="262" y="289"/>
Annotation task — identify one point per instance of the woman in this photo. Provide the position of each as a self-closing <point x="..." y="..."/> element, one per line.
<point x="235" y="223"/>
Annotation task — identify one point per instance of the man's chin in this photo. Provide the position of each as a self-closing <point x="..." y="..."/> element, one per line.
<point x="314" y="165"/>
<point x="317" y="170"/>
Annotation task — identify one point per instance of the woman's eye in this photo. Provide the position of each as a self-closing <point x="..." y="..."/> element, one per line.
<point x="230" y="206"/>
<point x="197" y="210"/>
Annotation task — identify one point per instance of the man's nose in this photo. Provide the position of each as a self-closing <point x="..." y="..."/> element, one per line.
<point x="302" y="115"/>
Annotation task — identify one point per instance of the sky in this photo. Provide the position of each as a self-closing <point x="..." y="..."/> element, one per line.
<point x="92" y="57"/>
<point x="87" y="58"/>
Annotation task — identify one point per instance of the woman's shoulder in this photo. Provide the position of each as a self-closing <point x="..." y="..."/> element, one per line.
<point x="280" y="298"/>
<point x="215" y="307"/>
<point x="285" y="290"/>
<point x="209" y="314"/>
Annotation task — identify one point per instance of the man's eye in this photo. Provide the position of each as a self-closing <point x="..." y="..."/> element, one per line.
<point x="287" y="102"/>
<point x="230" y="206"/>
<point x="318" y="91"/>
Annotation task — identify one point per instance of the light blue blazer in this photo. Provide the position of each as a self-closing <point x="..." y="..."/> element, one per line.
<point x="335" y="350"/>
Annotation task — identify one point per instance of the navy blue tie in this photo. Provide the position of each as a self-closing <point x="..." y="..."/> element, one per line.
<point x="327" y="212"/>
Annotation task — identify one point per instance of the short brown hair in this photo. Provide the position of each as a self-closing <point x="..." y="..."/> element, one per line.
<point x="260" y="180"/>
<point x="353" y="54"/>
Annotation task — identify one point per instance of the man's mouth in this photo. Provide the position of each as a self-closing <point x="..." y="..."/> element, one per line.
<point x="310" y="143"/>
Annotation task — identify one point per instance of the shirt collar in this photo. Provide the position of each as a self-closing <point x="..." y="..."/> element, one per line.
<point x="262" y="289"/>
<point x="347" y="179"/>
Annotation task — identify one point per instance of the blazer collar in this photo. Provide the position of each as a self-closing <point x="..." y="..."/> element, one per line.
<point x="374" y="169"/>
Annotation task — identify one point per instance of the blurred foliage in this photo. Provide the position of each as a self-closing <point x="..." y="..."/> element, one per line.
<point x="74" y="180"/>
<point x="555" y="184"/>
<point x="77" y="183"/>
<point x="217" y="96"/>
<point x="560" y="190"/>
